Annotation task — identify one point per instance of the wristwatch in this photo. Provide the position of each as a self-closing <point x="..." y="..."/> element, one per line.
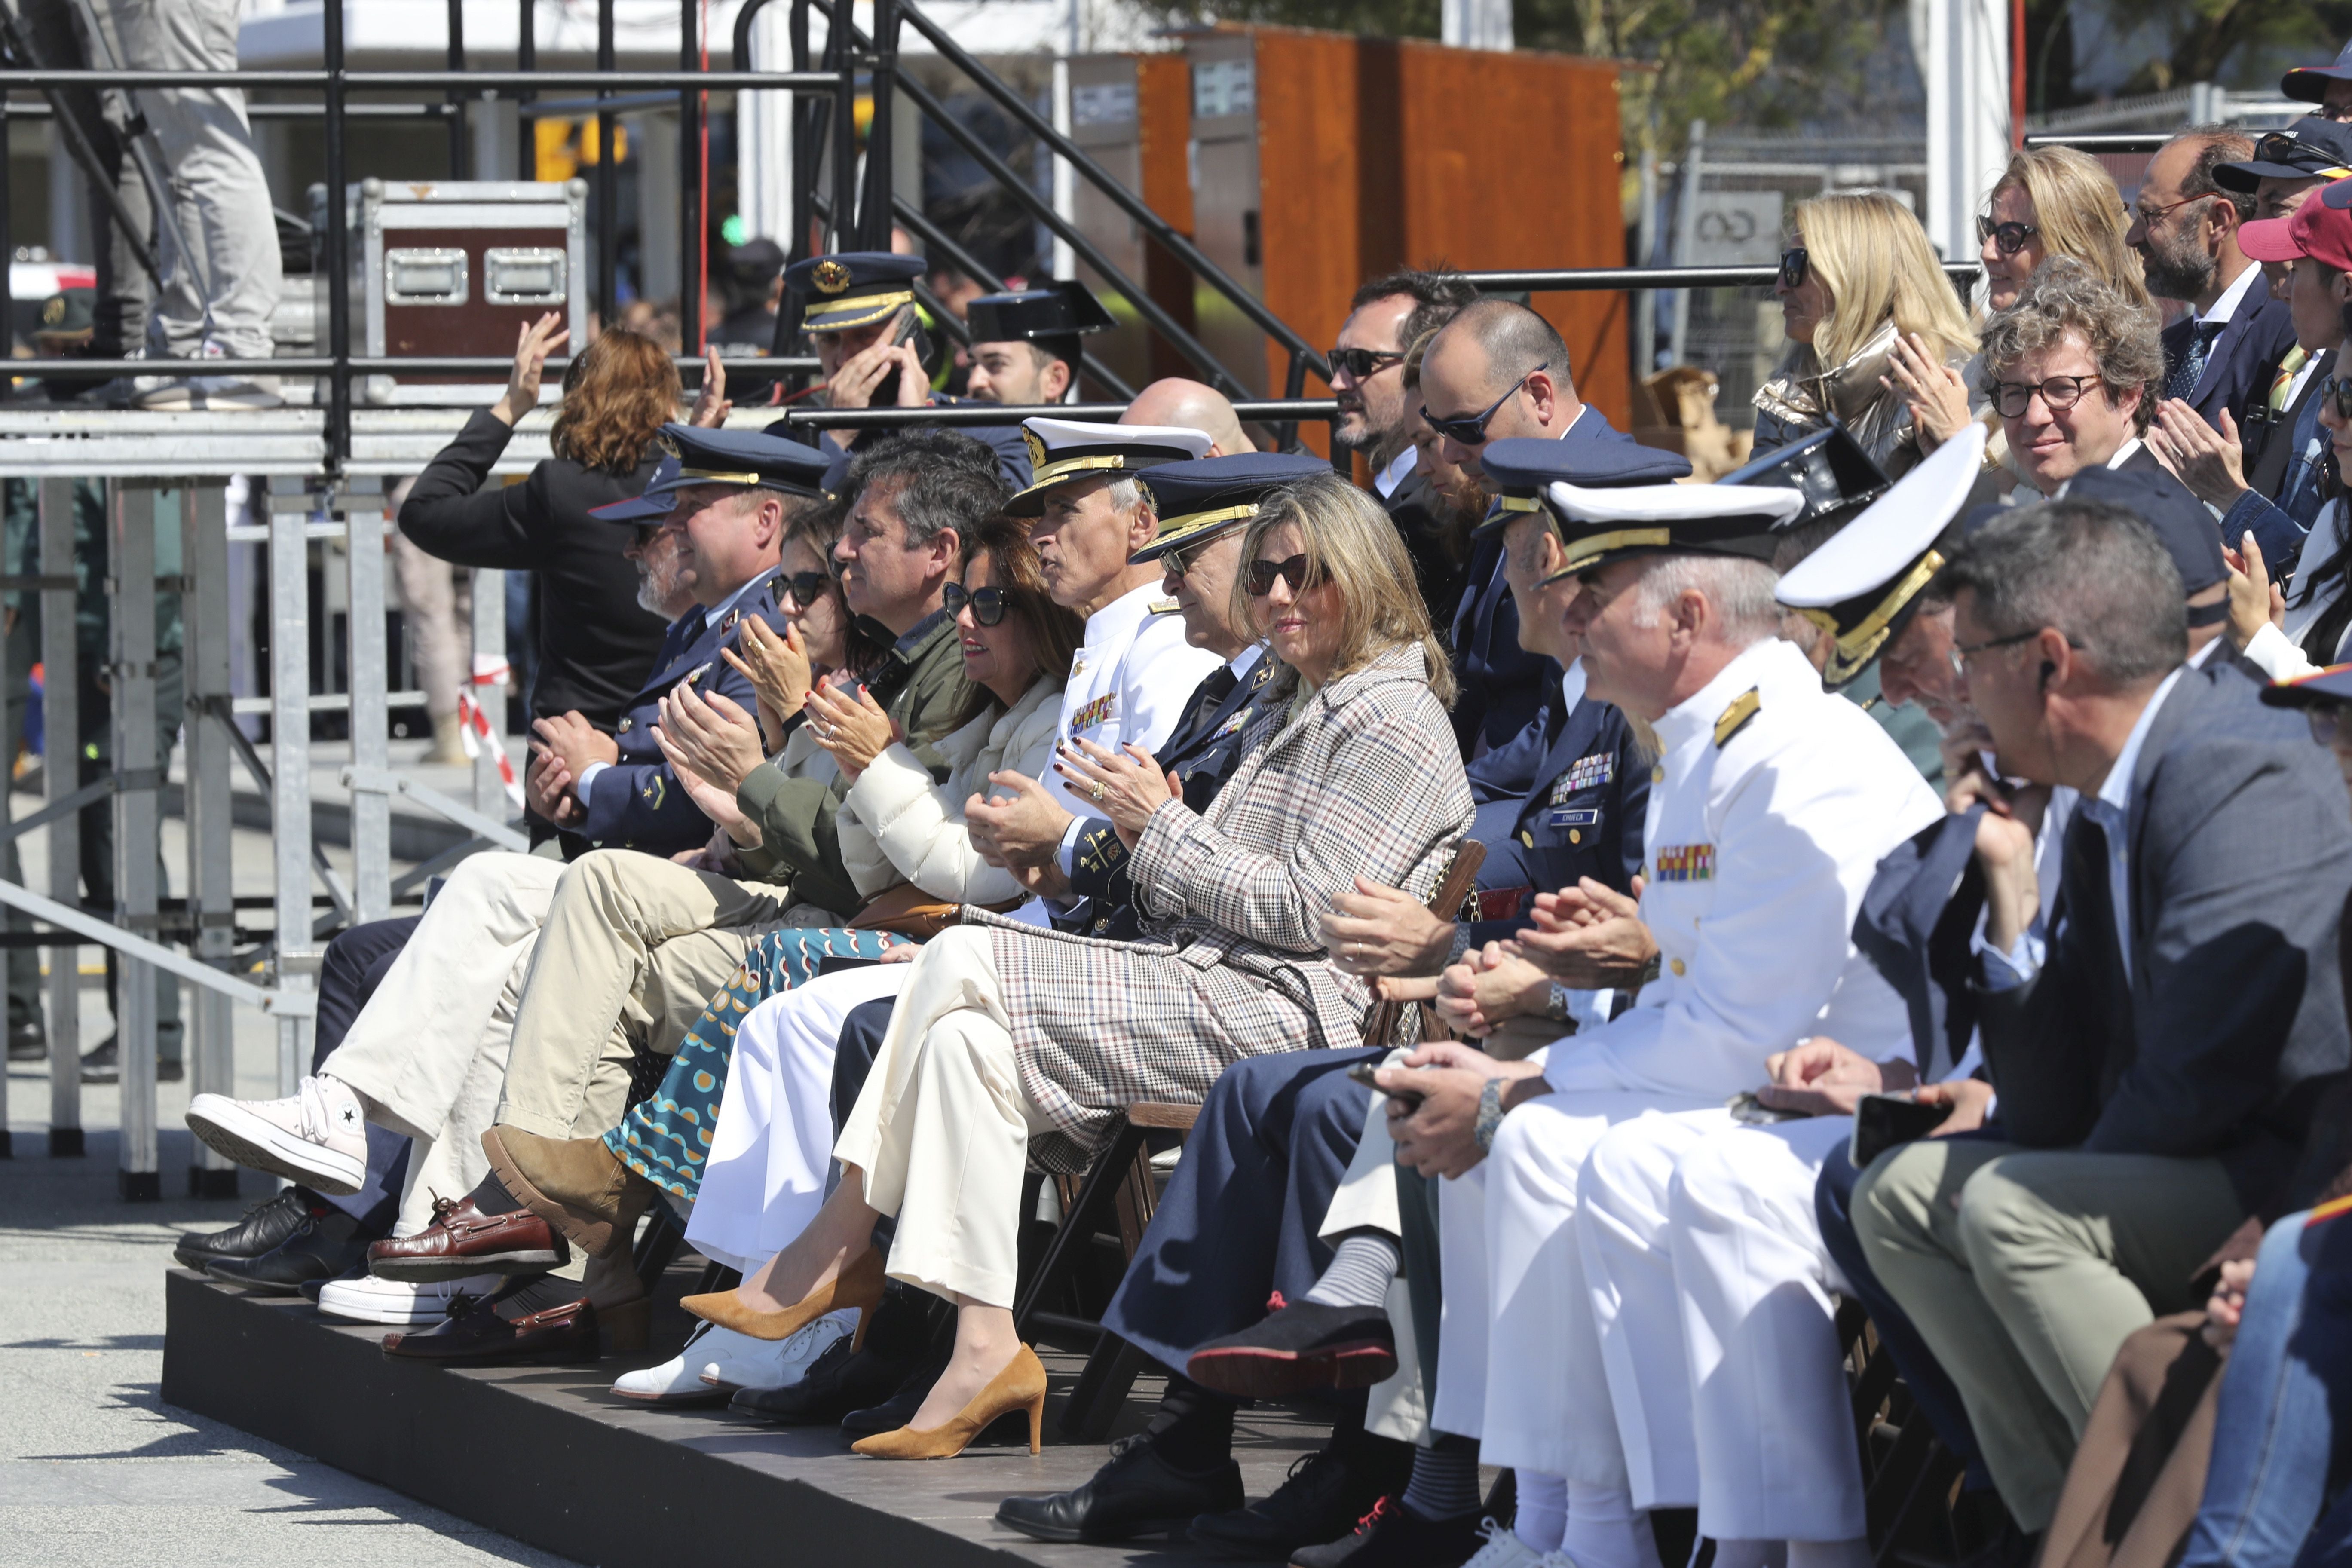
<point x="1490" y="1113"/>
<point x="1556" y="1004"/>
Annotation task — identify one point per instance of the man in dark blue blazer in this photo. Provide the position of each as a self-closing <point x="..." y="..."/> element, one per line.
<point x="2185" y="227"/>
<point x="721" y="526"/>
<point x="2157" y="1059"/>
<point x="1498" y="370"/>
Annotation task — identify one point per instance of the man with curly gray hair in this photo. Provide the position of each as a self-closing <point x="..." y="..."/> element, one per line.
<point x="2075" y="371"/>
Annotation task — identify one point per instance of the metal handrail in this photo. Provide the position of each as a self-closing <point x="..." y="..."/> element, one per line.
<point x="361" y="364"/>
<point x="1573" y="280"/>
<point x="436" y="81"/>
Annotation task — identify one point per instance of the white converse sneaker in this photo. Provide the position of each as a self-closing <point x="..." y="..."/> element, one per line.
<point x="399" y="1302"/>
<point x="747" y="1363"/>
<point x="678" y="1381"/>
<point x="317" y="1136"/>
<point x="1503" y="1548"/>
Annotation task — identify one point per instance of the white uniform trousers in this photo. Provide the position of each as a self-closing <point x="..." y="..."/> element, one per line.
<point x="1777" y="1459"/>
<point x="771" y="1153"/>
<point x="635" y="946"/>
<point x="1621" y="1232"/>
<point x="942" y="1128"/>
<point x="429" y="1053"/>
<point x="1518" y="1362"/>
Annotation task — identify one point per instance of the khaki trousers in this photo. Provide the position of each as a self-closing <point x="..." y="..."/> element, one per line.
<point x="633" y="948"/>
<point x="2026" y="1271"/>
<point x="941" y="1129"/>
<point x="428" y="1052"/>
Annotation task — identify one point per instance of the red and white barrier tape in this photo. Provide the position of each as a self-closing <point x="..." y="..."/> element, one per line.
<point x="474" y="732"/>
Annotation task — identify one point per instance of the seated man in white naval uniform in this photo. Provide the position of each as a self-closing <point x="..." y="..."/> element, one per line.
<point x="1696" y="1228"/>
<point x="1768" y="813"/>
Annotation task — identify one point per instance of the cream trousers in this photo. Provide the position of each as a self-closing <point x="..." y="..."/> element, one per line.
<point x="429" y="1053"/>
<point x="941" y="1131"/>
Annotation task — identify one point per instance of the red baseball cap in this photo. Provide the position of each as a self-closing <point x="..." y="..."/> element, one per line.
<point x="2319" y="228"/>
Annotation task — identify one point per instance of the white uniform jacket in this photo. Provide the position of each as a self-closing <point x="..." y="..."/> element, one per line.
<point x="1769" y="811"/>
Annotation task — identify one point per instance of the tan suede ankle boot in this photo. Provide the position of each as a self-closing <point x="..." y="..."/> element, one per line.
<point x="574" y="1184"/>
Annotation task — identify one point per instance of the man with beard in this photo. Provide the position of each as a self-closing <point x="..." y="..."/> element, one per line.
<point x="1379" y="414"/>
<point x="2184" y="224"/>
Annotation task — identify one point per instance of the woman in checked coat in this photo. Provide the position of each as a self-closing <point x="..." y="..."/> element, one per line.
<point x="1012" y="1044"/>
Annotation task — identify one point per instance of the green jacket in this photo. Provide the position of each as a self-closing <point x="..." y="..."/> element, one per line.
<point x="91" y="606"/>
<point x="1907" y="726"/>
<point x="922" y="687"/>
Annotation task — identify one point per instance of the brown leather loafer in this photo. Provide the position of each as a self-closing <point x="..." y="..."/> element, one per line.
<point x="463" y="1240"/>
<point x="477" y="1336"/>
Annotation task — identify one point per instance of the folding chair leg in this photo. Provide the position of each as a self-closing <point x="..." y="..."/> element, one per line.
<point x="1086" y="1216"/>
<point x="1102" y="1389"/>
<point x="663" y="1235"/>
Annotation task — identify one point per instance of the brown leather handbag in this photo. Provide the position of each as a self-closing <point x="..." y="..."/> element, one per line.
<point x="910" y="912"/>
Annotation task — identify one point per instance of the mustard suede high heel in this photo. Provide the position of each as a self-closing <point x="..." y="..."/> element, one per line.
<point x="1023" y="1382"/>
<point x="859" y="1286"/>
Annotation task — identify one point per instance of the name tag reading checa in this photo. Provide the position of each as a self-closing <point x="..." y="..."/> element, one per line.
<point x="1685" y="863"/>
<point x="1572" y="816"/>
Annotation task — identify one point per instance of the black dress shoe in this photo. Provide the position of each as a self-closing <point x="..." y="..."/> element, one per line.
<point x="28" y="1041"/>
<point x="906" y="1399"/>
<point x="1321" y="1500"/>
<point x="264" y="1226"/>
<point x="474" y="1334"/>
<point x="1393" y="1536"/>
<point x="1137" y="1493"/>
<point x="1298" y="1348"/>
<point x="899" y="1345"/>
<point x="320" y="1247"/>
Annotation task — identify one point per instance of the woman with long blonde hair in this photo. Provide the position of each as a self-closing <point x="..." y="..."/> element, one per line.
<point x="1858" y="276"/>
<point x="2050" y="201"/>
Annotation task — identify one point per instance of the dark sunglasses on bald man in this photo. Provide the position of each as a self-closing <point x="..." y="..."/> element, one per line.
<point x="1262" y="573"/>
<point x="987" y="605"/>
<point x="1471" y="430"/>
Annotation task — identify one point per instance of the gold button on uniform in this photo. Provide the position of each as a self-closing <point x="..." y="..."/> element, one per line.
<point x="1658" y="774"/>
<point x="1527" y="838"/>
<point x="1575" y="836"/>
<point x="1677" y="966"/>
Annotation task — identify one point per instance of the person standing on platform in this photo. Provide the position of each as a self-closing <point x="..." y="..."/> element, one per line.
<point x="753" y="280"/>
<point x="1025" y="344"/>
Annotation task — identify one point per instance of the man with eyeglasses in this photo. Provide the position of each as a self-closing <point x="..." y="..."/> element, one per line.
<point x="2272" y="488"/>
<point x="1498" y="370"/>
<point x="2184" y="224"/>
<point x="1385" y="318"/>
<point x="2147" y="1106"/>
<point x="2074" y="371"/>
<point x="2328" y="86"/>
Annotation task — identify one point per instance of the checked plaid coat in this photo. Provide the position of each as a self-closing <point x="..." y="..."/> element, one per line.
<point x="1363" y="779"/>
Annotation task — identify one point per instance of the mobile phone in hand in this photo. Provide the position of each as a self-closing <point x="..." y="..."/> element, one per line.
<point x="1750" y="1111"/>
<point x="1364" y="1072"/>
<point x="1881" y="1121"/>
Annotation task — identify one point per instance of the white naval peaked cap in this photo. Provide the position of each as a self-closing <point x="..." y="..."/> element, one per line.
<point x="1599" y="525"/>
<point x="1860" y="587"/>
<point x="1893" y="533"/>
<point x="1067" y="451"/>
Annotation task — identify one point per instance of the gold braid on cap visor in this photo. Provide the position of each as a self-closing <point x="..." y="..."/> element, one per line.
<point x="832" y="315"/>
<point x="1853" y="650"/>
<point x="1582" y="552"/>
<point x="1179" y="528"/>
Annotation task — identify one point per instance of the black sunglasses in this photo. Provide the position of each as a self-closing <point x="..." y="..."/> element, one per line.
<point x="807" y="588"/>
<point x="987" y="605"/>
<point x="1262" y="574"/>
<point x="2008" y="238"/>
<point x="1470" y="431"/>
<point x="1794" y="264"/>
<point x="2336" y="391"/>
<point x="1361" y="363"/>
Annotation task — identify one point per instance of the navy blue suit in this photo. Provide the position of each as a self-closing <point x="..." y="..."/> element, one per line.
<point x="1201" y="752"/>
<point x="1502" y="684"/>
<point x="2239" y="366"/>
<point x="1584" y="820"/>
<point x="637" y="803"/>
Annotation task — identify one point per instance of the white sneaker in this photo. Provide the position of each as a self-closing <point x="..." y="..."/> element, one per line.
<point x="1503" y="1548"/>
<point x="399" y="1302"/>
<point x="747" y="1363"/>
<point x="677" y="1381"/>
<point x="205" y="393"/>
<point x="317" y="1136"/>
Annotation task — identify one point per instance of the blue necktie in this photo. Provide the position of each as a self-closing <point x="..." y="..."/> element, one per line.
<point x="2191" y="369"/>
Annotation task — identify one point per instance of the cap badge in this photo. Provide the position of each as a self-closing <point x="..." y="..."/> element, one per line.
<point x="830" y="276"/>
<point x="53" y="309"/>
<point x="1036" y="445"/>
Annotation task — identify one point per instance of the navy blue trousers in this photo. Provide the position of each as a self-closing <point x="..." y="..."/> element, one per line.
<point x="1937" y="1399"/>
<point x="1238" y="1220"/>
<point x="353" y="967"/>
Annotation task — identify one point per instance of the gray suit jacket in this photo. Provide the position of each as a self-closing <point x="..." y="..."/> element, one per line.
<point x="2233" y="1015"/>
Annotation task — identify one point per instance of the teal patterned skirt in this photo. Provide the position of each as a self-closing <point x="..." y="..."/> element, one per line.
<point x="666" y="1138"/>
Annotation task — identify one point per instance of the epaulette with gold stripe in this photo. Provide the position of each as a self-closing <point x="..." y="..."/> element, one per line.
<point x="1736" y="718"/>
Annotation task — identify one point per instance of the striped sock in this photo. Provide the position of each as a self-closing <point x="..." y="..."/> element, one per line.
<point x="1361" y="1267"/>
<point x="1444" y="1483"/>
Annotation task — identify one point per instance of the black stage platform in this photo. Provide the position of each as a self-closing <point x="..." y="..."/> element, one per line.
<point x="551" y="1457"/>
